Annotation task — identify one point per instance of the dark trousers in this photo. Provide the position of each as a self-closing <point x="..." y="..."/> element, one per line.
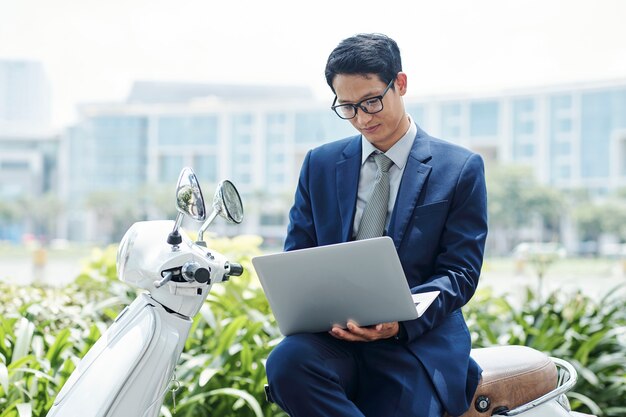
<point x="317" y="375"/>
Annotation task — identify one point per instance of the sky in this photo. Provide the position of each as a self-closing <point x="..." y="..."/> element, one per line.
<point x="93" y="50"/>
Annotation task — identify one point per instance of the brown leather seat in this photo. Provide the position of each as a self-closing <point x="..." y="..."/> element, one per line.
<point x="512" y="376"/>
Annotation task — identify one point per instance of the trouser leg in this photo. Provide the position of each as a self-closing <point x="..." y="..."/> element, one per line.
<point x="314" y="375"/>
<point x="395" y="383"/>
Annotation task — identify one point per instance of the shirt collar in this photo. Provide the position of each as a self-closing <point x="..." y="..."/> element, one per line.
<point x="399" y="152"/>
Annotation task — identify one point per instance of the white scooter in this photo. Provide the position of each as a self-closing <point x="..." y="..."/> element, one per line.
<point x="130" y="368"/>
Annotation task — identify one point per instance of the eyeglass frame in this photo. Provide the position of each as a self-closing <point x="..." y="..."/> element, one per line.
<point x="359" y="105"/>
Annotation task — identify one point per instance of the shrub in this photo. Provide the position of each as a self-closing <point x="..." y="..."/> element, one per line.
<point x="589" y="334"/>
<point x="45" y="331"/>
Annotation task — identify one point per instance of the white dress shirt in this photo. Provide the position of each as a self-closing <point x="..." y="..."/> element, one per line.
<point x="398" y="153"/>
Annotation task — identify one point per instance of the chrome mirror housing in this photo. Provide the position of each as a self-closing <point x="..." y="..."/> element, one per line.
<point x="189" y="201"/>
<point x="189" y="198"/>
<point x="227" y="204"/>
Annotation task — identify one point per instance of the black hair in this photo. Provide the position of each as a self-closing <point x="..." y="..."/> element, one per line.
<point x="365" y="53"/>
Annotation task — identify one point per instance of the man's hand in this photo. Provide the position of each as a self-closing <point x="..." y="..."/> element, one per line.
<point x="355" y="333"/>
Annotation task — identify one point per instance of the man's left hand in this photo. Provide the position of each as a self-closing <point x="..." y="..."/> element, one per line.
<point x="355" y="333"/>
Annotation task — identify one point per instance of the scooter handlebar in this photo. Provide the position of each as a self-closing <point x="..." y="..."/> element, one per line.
<point x="235" y="269"/>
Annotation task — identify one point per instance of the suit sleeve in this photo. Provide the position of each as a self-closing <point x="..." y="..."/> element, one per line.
<point x="461" y="247"/>
<point x="301" y="229"/>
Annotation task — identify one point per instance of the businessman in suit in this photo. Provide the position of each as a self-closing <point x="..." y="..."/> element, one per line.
<point x="434" y="208"/>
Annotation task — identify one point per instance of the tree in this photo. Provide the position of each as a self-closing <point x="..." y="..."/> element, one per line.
<point x="594" y="219"/>
<point x="116" y="211"/>
<point x="516" y="200"/>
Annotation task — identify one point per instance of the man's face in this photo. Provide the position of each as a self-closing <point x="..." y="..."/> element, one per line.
<point x="382" y="129"/>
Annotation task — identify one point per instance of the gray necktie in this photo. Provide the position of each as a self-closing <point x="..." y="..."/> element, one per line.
<point x="375" y="213"/>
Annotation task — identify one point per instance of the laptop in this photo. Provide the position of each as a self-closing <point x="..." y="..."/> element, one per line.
<point x="310" y="290"/>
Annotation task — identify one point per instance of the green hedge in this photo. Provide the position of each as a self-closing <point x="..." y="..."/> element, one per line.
<point x="588" y="333"/>
<point x="45" y="331"/>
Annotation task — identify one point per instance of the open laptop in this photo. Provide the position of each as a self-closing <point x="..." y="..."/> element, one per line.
<point x="310" y="290"/>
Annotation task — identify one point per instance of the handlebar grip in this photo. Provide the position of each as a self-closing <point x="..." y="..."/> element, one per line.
<point x="235" y="269"/>
<point x="202" y="275"/>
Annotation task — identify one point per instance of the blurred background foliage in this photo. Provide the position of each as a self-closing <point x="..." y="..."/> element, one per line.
<point x="521" y="208"/>
<point x="45" y="331"/>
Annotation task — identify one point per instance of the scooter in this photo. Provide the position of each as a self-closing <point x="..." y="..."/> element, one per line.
<point x="130" y="368"/>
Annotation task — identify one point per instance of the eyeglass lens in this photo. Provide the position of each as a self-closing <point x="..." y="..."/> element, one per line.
<point x="373" y="105"/>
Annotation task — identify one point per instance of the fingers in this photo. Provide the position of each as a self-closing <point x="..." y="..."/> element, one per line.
<point x="354" y="333"/>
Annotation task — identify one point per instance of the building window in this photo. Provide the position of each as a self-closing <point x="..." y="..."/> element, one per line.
<point x="417" y="112"/>
<point x="322" y="126"/>
<point x="523" y="117"/>
<point x="451" y="120"/>
<point x="562" y="148"/>
<point x="119" y="144"/>
<point x="563" y="125"/>
<point x="242" y="129"/>
<point x="187" y="130"/>
<point x="596" y="126"/>
<point x="561" y="102"/>
<point x="170" y="167"/>
<point x="205" y="167"/>
<point x="525" y="150"/>
<point x="272" y="219"/>
<point x="562" y="172"/>
<point x="14" y="165"/>
<point x="484" y="118"/>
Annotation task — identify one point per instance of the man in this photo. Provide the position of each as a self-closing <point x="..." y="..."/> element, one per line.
<point x="435" y="201"/>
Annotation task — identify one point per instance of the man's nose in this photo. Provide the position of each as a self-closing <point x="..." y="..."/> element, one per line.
<point x="362" y="118"/>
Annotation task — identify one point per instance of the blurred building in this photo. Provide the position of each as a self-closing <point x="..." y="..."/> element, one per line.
<point x="574" y="136"/>
<point x="24" y="96"/>
<point x="29" y="153"/>
<point x="256" y="136"/>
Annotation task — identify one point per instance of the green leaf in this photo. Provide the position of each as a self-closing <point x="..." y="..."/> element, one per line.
<point x="582" y="354"/>
<point x="245" y="357"/>
<point x="24" y="410"/>
<point x="4" y="378"/>
<point x="229" y="334"/>
<point x="35" y="372"/>
<point x="24" y="335"/>
<point x="249" y="399"/>
<point x="165" y="412"/>
<point x="206" y="375"/>
<point x="588" y="402"/>
<point x="59" y="345"/>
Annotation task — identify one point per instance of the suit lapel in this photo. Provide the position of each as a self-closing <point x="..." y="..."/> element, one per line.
<point x="415" y="174"/>
<point x="347" y="181"/>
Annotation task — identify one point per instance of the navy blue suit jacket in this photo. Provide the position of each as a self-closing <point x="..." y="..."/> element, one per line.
<point x="439" y="226"/>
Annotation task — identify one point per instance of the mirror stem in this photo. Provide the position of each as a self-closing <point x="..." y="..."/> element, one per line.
<point x="174" y="237"/>
<point x="178" y="222"/>
<point x="206" y="225"/>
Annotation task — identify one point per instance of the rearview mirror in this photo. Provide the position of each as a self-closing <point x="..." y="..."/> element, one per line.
<point x="189" y="198"/>
<point x="189" y="201"/>
<point x="226" y="203"/>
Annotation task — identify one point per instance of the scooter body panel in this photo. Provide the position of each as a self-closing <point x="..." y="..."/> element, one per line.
<point x="549" y="409"/>
<point x="145" y="255"/>
<point x="127" y="371"/>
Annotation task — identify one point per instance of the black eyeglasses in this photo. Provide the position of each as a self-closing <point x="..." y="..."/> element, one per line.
<point x="369" y="105"/>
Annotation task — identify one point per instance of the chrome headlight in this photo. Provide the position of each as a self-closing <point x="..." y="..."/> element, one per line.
<point x="124" y="250"/>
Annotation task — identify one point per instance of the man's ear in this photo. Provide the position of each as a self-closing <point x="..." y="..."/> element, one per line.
<point x="401" y="83"/>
